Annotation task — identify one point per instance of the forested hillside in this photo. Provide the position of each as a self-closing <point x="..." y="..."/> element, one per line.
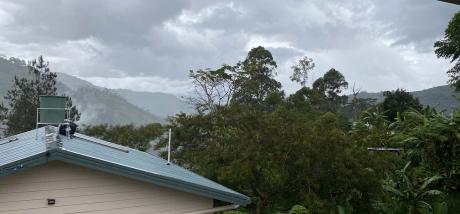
<point x="442" y="98"/>
<point x="97" y="105"/>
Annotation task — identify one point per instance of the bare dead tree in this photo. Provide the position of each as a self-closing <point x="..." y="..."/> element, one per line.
<point x="301" y="70"/>
<point x="355" y="101"/>
<point x="212" y="88"/>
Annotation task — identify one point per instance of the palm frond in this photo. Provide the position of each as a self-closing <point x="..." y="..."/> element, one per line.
<point x="424" y="204"/>
<point x="430" y="192"/>
<point x="393" y="190"/>
<point x="429" y="181"/>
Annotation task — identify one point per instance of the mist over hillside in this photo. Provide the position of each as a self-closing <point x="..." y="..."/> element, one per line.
<point x="100" y="105"/>
<point x="161" y="104"/>
<point x="121" y="106"/>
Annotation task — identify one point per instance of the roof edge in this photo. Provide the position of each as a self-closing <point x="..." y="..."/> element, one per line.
<point x="105" y="166"/>
<point x="25" y="163"/>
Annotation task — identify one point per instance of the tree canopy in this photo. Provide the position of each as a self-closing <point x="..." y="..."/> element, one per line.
<point x="19" y="112"/>
<point x="399" y="101"/>
<point x="139" y="138"/>
<point x="303" y="150"/>
<point x="449" y="48"/>
<point x="278" y="150"/>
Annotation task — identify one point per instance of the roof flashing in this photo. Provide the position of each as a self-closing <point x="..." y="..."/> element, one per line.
<point x="102" y="142"/>
<point x="8" y="140"/>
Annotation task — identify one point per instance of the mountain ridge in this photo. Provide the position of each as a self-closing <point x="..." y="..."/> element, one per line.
<point x="121" y="106"/>
<point x="157" y="103"/>
<point x="98" y="105"/>
<point x="442" y="98"/>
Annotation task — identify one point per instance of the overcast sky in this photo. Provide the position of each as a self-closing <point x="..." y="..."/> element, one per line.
<point x="151" y="45"/>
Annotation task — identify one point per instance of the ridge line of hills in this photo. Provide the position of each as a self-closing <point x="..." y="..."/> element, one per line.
<point x="101" y="105"/>
<point x="442" y="98"/>
<point x="122" y="106"/>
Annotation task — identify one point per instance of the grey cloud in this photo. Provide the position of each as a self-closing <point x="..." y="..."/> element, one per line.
<point x="378" y="44"/>
<point x="415" y="21"/>
<point x="111" y="21"/>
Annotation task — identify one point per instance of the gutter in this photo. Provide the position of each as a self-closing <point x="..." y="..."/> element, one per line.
<point x="216" y="209"/>
<point x="114" y="168"/>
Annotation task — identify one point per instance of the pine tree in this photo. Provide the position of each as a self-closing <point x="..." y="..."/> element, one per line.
<point x="19" y="112"/>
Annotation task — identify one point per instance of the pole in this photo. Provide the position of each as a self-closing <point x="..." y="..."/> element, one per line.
<point x="37" y="76"/>
<point x="36" y="125"/>
<point x="169" y="147"/>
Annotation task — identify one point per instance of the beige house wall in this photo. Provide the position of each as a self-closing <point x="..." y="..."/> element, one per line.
<point x="81" y="190"/>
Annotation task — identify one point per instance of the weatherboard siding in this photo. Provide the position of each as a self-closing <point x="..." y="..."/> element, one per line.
<point x="81" y="190"/>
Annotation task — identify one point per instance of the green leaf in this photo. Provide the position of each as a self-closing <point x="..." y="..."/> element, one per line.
<point x="429" y="181"/>
<point x="430" y="192"/>
<point x="440" y="208"/>
<point x="424" y="204"/>
<point x="393" y="190"/>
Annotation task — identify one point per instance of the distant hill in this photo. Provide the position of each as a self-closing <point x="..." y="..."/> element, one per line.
<point x="440" y="97"/>
<point x="158" y="103"/>
<point x="8" y="69"/>
<point x="122" y="106"/>
<point x="98" y="105"/>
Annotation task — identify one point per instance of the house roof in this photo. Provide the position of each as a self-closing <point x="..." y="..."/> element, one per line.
<point x="31" y="148"/>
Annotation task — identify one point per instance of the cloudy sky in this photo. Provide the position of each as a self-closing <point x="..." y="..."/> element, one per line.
<point x="151" y="45"/>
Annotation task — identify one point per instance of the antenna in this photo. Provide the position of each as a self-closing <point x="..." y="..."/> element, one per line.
<point x="169" y="147"/>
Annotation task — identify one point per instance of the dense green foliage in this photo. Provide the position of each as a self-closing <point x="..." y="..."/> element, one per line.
<point x="137" y="137"/>
<point x="278" y="150"/>
<point x="298" y="209"/>
<point x="18" y="114"/>
<point x="449" y="48"/>
<point x="326" y="90"/>
<point x="398" y="101"/>
<point x="311" y="148"/>
<point x="406" y="196"/>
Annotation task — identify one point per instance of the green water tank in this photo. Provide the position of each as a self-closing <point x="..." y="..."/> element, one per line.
<point x="52" y="109"/>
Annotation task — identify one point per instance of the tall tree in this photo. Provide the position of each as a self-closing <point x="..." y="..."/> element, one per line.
<point x="301" y="69"/>
<point x="254" y="79"/>
<point x="449" y="48"/>
<point x="212" y="88"/>
<point x="326" y="91"/>
<point x="397" y="102"/>
<point x="279" y="151"/>
<point x="356" y="106"/>
<point x="19" y="112"/>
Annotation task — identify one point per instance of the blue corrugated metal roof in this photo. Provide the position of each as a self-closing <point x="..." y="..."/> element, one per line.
<point x="27" y="151"/>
